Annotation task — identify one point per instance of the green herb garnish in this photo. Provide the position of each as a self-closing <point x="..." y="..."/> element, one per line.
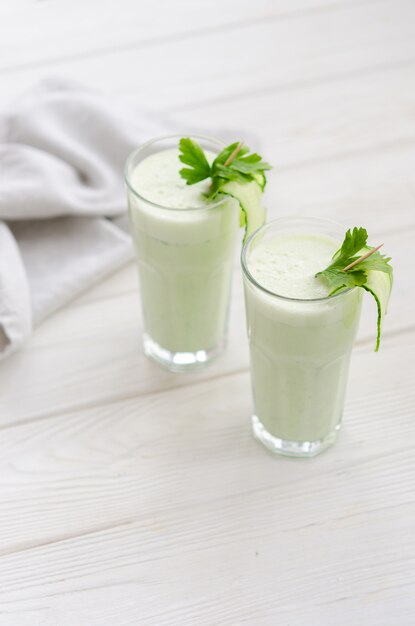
<point x="356" y="264"/>
<point x="233" y="163"/>
<point x="234" y="172"/>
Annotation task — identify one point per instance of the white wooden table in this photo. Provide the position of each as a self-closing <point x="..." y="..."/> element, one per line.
<point x="131" y="496"/>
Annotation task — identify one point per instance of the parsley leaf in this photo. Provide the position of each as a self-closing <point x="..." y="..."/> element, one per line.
<point x="352" y="248"/>
<point x="354" y="241"/>
<point x="192" y="154"/>
<point x="243" y="168"/>
<point x="365" y="272"/>
<point x="339" y="280"/>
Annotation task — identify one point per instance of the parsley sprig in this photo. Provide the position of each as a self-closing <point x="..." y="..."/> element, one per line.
<point x="234" y="163"/>
<point x="354" y="248"/>
<point x="356" y="264"/>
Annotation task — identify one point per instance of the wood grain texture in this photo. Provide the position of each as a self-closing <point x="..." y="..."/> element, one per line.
<point x="127" y="523"/>
<point x="47" y="34"/>
<point x="132" y="496"/>
<point x="322" y="122"/>
<point x="271" y="53"/>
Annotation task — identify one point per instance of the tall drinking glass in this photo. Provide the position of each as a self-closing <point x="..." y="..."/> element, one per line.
<point x="300" y="347"/>
<point x="185" y="257"/>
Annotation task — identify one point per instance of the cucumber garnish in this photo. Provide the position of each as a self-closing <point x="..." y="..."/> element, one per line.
<point x="379" y="284"/>
<point x="249" y="196"/>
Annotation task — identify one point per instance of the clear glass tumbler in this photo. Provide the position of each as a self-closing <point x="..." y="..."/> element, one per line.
<point x="299" y="351"/>
<point x="185" y="261"/>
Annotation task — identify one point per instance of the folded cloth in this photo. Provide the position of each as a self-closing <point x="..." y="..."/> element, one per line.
<point x="62" y="152"/>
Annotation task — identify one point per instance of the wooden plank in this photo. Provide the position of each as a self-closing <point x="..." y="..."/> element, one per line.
<point x="247" y="583"/>
<point x="323" y="122"/>
<point x="375" y="189"/>
<point x="318" y="45"/>
<point x="114" y="577"/>
<point x="92" y="354"/>
<point x="206" y="526"/>
<point x="102" y="457"/>
<point x="49" y="30"/>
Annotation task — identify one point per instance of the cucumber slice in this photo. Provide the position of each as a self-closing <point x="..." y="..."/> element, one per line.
<point x="260" y="179"/>
<point x="379" y="284"/>
<point x="249" y="196"/>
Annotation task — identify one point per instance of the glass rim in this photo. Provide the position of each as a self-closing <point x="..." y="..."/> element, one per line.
<point x="134" y="153"/>
<point x="256" y="284"/>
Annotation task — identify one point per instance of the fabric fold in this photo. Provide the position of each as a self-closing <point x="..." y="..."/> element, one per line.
<point x="62" y="198"/>
<point x="15" y="302"/>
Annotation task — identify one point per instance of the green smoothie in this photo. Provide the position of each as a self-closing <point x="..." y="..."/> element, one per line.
<point x="300" y="340"/>
<point x="185" y="254"/>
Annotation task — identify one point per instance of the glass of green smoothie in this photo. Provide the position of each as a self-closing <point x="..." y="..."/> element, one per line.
<point x="300" y="337"/>
<point x="185" y="246"/>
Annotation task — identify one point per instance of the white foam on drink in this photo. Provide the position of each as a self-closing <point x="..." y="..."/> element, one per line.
<point x="286" y="264"/>
<point x="158" y="180"/>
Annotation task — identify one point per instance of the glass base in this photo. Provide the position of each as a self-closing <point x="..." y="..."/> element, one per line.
<point x="180" y="361"/>
<point x="292" y="448"/>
